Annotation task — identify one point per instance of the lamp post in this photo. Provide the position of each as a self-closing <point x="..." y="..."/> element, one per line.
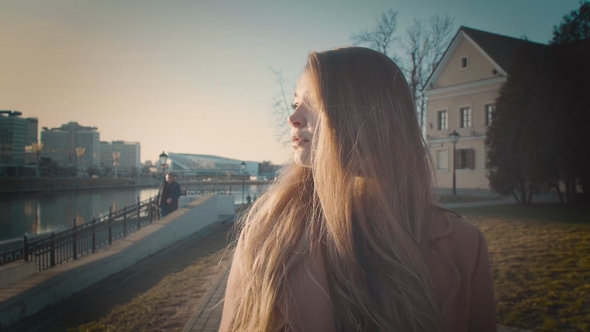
<point x="242" y="168"/>
<point x="37" y="147"/>
<point x="163" y="163"/>
<point x="80" y="154"/>
<point x="454" y="138"/>
<point x="116" y="155"/>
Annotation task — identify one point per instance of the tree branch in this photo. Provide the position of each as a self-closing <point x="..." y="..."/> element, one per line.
<point x="281" y="108"/>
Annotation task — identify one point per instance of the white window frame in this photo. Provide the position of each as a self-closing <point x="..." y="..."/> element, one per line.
<point x="461" y="108"/>
<point x="485" y="115"/>
<point x="438" y="118"/>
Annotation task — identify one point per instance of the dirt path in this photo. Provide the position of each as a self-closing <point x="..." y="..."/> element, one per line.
<point x="157" y="294"/>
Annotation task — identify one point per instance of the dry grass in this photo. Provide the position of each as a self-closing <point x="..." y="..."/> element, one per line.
<point x="164" y="307"/>
<point x="166" y="294"/>
<point x="540" y="259"/>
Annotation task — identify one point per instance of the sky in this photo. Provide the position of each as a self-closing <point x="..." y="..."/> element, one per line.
<point x="194" y="76"/>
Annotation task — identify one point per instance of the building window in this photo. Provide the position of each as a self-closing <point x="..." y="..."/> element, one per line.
<point x="464" y="62"/>
<point x="465" y="159"/>
<point x="442" y="120"/>
<point x="442" y="159"/>
<point x="465" y="117"/>
<point x="488" y="111"/>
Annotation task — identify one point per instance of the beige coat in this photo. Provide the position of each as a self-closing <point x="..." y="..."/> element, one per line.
<point x="471" y="309"/>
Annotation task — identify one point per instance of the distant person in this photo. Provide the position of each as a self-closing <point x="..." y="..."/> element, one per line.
<point x="351" y="237"/>
<point x="248" y="199"/>
<point x="168" y="195"/>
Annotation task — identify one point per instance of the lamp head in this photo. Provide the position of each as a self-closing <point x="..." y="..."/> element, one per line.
<point x="454" y="136"/>
<point x="243" y="166"/>
<point x="163" y="158"/>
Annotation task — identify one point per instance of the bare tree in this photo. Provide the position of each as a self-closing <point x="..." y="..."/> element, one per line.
<point x="425" y="45"/>
<point x="421" y="49"/>
<point x="416" y="47"/>
<point x="281" y="108"/>
<point x="382" y="37"/>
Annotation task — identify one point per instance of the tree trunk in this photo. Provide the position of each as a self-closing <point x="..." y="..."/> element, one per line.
<point x="570" y="191"/>
<point x="530" y="195"/>
<point x="422" y="109"/>
<point x="515" y="196"/>
<point x="523" y="192"/>
<point x="559" y="193"/>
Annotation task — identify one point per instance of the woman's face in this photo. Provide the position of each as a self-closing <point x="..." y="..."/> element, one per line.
<point x="303" y="122"/>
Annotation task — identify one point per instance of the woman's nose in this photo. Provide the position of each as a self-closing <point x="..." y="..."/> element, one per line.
<point x="296" y="119"/>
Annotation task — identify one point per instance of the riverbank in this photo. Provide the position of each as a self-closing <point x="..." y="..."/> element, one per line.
<point x="11" y="186"/>
<point x="39" y="185"/>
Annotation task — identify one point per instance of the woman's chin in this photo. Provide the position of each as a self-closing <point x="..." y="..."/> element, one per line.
<point x="301" y="159"/>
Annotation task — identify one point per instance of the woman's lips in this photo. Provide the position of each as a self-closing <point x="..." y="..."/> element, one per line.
<point x="298" y="141"/>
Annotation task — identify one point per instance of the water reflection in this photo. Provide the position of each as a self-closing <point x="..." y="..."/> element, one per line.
<point x="52" y="212"/>
<point x="34" y="214"/>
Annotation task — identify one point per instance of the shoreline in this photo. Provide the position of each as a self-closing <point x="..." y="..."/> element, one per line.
<point x="19" y="186"/>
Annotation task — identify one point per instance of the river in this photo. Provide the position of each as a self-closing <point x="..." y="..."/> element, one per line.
<point x="52" y="212"/>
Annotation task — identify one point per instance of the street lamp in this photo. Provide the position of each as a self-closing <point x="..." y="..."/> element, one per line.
<point x="163" y="163"/>
<point x="116" y="155"/>
<point x="80" y="154"/>
<point x="37" y="147"/>
<point x="242" y="168"/>
<point x="454" y="138"/>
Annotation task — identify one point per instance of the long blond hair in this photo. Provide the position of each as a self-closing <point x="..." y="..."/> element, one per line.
<point x="366" y="199"/>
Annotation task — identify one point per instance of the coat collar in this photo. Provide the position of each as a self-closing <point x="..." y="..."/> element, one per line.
<point x="442" y="225"/>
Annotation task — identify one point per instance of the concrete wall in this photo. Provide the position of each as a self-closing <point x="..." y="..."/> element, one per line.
<point x="15" y="271"/>
<point x="44" y="288"/>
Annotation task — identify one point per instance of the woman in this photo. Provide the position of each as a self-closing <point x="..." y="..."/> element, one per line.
<point x="350" y="237"/>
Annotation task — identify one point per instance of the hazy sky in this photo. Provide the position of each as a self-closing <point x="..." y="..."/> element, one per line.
<point x="193" y="76"/>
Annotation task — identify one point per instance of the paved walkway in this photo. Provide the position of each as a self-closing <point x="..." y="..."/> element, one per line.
<point x="207" y="317"/>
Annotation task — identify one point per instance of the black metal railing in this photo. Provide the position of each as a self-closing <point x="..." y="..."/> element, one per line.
<point x="84" y="239"/>
<point x="194" y="192"/>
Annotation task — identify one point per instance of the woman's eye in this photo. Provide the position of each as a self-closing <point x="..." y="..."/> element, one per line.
<point x="294" y="106"/>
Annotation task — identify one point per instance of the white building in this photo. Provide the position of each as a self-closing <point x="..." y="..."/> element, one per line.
<point x="200" y="164"/>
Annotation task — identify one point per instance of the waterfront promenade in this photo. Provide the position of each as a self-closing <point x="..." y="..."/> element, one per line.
<point x="197" y="308"/>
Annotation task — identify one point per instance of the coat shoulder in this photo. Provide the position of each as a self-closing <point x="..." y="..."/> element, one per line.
<point x="450" y="224"/>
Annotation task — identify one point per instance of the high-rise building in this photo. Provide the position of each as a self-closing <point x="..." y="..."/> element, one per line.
<point x="31" y="138"/>
<point x="32" y="131"/>
<point x="62" y="144"/>
<point x="129" y="154"/>
<point x="14" y="136"/>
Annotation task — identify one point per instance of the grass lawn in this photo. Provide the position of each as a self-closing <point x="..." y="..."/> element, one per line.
<point x="156" y="309"/>
<point x="540" y="257"/>
<point x="165" y="295"/>
<point x="464" y="199"/>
